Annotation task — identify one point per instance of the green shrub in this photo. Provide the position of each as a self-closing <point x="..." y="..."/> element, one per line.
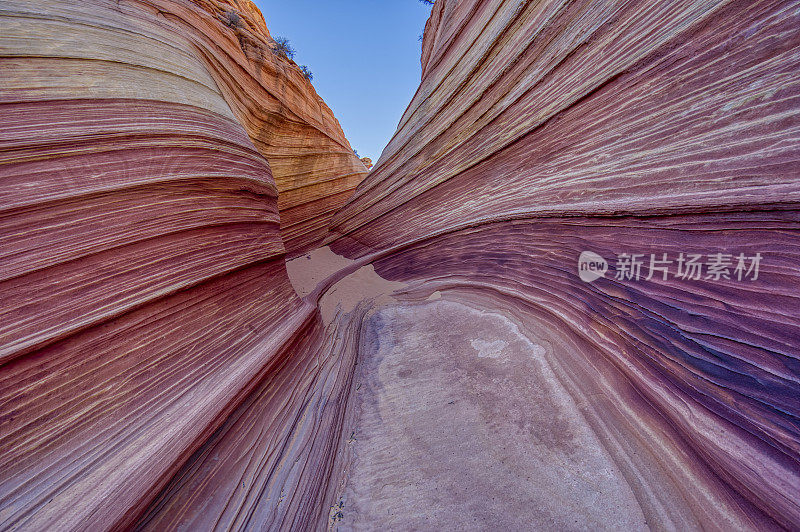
<point x="281" y="47"/>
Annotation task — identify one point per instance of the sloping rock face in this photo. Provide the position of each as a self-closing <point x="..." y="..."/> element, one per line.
<point x="156" y="164"/>
<point x="312" y="163"/>
<point x="542" y="130"/>
<point x="212" y="55"/>
<point x="445" y="362"/>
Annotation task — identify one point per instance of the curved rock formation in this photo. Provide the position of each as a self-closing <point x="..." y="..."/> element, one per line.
<point x="445" y="362"/>
<point x="313" y="165"/>
<point x="544" y="130"/>
<point x="144" y="292"/>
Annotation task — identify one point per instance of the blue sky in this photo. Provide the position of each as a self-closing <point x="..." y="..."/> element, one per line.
<point x="364" y="55"/>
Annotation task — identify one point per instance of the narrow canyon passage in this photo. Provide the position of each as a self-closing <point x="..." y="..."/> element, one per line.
<point x="565" y="297"/>
<point x="463" y="424"/>
<point x="462" y="415"/>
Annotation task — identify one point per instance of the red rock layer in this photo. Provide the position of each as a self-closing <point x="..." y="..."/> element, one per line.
<point x="191" y="53"/>
<point x="157" y="369"/>
<point x="271" y="464"/>
<point x="142" y="277"/>
<point x="544" y="129"/>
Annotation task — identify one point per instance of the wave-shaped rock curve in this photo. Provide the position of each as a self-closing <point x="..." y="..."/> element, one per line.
<point x="475" y="347"/>
<point x="659" y="130"/>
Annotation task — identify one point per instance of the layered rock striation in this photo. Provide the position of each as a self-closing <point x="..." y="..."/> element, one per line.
<point x="541" y="130"/>
<point x="442" y="363"/>
<point x="215" y="56"/>
<point x="143" y="150"/>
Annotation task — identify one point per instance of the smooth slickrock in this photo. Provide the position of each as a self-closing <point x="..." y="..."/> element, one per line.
<point x="544" y="129"/>
<point x="470" y="437"/>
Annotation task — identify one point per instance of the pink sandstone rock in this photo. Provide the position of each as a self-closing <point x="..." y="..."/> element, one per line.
<point x="542" y="130"/>
<point x="440" y="363"/>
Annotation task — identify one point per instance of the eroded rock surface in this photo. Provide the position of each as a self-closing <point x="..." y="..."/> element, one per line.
<point x="463" y="424"/>
<point x="157" y="161"/>
<point x="159" y="369"/>
<point x="541" y="130"/>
